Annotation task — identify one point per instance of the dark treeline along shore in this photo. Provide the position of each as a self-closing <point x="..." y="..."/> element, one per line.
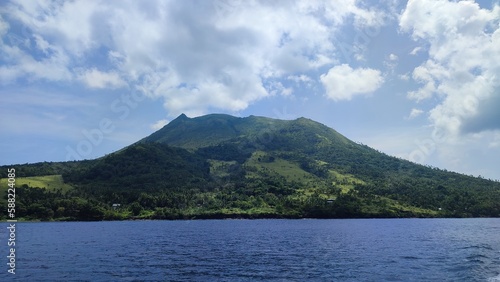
<point x="220" y="166"/>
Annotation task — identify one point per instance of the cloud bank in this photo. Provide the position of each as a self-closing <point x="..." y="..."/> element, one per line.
<point x="194" y="55"/>
<point x="463" y="66"/>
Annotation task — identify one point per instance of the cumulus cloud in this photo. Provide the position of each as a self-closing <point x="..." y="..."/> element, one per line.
<point x="463" y="65"/>
<point x="343" y="83"/>
<point x="194" y="55"/>
<point x="415" y="113"/>
<point x="94" y="78"/>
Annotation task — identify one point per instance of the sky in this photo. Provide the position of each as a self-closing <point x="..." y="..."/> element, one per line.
<point x="419" y="80"/>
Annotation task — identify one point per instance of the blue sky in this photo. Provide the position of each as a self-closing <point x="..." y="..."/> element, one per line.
<point x="417" y="79"/>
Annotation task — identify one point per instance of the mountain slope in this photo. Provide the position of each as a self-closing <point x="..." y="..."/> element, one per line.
<point x="223" y="166"/>
<point x="209" y="130"/>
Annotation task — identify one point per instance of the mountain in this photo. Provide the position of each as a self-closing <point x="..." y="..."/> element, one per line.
<point x="210" y="130"/>
<point x="219" y="166"/>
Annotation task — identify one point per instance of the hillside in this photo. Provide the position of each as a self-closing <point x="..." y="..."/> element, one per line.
<point x="219" y="166"/>
<point x="209" y="130"/>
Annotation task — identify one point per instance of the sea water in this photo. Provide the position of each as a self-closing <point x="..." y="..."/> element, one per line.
<point x="257" y="250"/>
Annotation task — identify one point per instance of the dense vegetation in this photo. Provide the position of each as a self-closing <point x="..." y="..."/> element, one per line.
<point x="220" y="166"/>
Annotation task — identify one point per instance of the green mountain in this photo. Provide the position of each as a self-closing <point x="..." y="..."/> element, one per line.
<point x="219" y="166"/>
<point x="210" y="130"/>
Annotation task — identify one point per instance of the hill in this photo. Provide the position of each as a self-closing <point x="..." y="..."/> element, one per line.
<point x="209" y="130"/>
<point x="219" y="166"/>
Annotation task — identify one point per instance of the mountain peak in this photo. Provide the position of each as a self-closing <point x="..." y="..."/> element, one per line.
<point x="182" y="117"/>
<point x="212" y="129"/>
<point x="179" y="120"/>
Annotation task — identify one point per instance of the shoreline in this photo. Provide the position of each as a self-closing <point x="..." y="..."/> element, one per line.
<point x="234" y="217"/>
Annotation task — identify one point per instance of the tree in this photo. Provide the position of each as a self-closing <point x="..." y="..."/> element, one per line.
<point x="135" y="208"/>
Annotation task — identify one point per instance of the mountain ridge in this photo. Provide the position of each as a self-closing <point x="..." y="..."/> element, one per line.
<point x="222" y="127"/>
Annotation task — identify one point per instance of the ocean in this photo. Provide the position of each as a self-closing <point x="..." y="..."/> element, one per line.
<point x="257" y="250"/>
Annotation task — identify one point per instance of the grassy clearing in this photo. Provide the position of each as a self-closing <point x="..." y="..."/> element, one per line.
<point x="261" y="162"/>
<point x="395" y="205"/>
<point x="220" y="168"/>
<point x="345" y="181"/>
<point x="50" y="182"/>
<point x="394" y="208"/>
<point x="289" y="170"/>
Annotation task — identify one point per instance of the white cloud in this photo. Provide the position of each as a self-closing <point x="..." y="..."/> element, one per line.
<point x="415" y="50"/>
<point x="415" y="113"/>
<point x="404" y="77"/>
<point x="277" y="88"/>
<point x="71" y="25"/>
<point x="300" y="78"/>
<point x="159" y="124"/>
<point x="94" y="78"/>
<point x="17" y="63"/>
<point x="343" y="83"/>
<point x="391" y="63"/>
<point x="194" y="55"/>
<point x="463" y="65"/>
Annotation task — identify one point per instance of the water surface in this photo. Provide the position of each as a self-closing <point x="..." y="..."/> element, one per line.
<point x="259" y="250"/>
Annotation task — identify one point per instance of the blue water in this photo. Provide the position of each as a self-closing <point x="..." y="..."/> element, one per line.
<point x="258" y="250"/>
